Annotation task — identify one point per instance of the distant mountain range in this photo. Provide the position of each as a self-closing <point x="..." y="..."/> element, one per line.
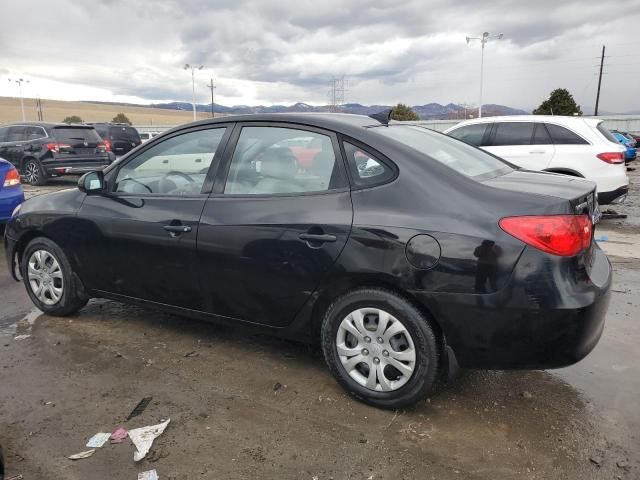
<point x="430" y="111"/>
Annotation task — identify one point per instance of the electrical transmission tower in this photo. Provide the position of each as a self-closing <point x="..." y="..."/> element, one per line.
<point x="337" y="89"/>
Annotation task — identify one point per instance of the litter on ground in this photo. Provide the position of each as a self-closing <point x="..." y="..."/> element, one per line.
<point x="143" y="438"/>
<point x="81" y="455"/>
<point x="98" y="440"/>
<point x="118" y="435"/>
<point x="148" y="475"/>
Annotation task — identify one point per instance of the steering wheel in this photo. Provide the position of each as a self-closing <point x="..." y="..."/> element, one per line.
<point x="163" y="184"/>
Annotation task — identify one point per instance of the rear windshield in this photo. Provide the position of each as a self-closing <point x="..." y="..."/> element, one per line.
<point x="455" y="154"/>
<point x="606" y="133"/>
<point x="124" y="133"/>
<point x="74" y="135"/>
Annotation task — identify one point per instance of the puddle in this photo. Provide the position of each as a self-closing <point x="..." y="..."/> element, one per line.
<point x="22" y="328"/>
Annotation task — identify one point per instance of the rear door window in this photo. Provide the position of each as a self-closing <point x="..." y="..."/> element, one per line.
<point x="471" y="134"/>
<point x="4" y="133"/>
<point x="16" y="134"/>
<point x="541" y="135"/>
<point x="564" y="136"/>
<point x="513" y="133"/>
<point x="34" y="133"/>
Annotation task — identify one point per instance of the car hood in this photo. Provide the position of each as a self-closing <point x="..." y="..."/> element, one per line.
<point x="63" y="202"/>
<point x="543" y="183"/>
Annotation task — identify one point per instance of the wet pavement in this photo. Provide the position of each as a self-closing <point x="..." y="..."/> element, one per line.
<point x="249" y="406"/>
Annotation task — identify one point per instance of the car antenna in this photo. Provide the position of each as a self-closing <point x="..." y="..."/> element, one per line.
<point x="383" y="117"/>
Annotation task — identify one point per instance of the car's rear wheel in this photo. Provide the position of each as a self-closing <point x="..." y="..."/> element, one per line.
<point x="49" y="279"/>
<point x="380" y="348"/>
<point x="33" y="173"/>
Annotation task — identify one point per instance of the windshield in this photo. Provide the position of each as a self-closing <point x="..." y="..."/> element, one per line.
<point x="124" y="133"/>
<point x="455" y="154"/>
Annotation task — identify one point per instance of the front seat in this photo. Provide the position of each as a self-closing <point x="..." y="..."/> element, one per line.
<point x="278" y="169"/>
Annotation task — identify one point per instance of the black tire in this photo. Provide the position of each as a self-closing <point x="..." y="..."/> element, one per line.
<point x="424" y="378"/>
<point x="73" y="297"/>
<point x="33" y="173"/>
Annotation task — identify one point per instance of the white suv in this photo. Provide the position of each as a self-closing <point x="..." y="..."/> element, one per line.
<point x="575" y="146"/>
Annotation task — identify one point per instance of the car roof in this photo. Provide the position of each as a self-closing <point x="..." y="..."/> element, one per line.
<point x="46" y="124"/>
<point x="557" y="119"/>
<point x="321" y="120"/>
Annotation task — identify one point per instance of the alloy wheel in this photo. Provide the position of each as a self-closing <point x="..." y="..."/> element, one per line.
<point x="32" y="173"/>
<point x="45" y="277"/>
<point x="376" y="349"/>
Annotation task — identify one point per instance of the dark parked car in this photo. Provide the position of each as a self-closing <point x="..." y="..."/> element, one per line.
<point x="120" y="137"/>
<point x="42" y="150"/>
<point x="402" y="250"/>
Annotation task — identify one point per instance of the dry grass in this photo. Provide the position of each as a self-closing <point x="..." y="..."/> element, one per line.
<point x="57" y="110"/>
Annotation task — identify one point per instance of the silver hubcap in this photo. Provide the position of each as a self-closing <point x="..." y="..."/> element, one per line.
<point x="376" y="349"/>
<point x="31" y="172"/>
<point x="45" y="277"/>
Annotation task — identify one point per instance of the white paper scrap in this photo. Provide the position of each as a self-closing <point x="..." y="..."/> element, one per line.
<point x="81" y="455"/>
<point x="148" y="475"/>
<point x="98" y="440"/>
<point x="143" y="438"/>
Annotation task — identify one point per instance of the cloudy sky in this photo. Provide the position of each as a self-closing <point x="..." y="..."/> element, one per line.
<point x="286" y="51"/>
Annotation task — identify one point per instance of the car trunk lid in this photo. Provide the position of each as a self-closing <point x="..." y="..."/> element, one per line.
<point x="580" y="193"/>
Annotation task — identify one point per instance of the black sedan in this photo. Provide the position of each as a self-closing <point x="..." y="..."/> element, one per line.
<point x="401" y="250"/>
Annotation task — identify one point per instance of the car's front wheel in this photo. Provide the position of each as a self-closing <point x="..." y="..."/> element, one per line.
<point x="49" y="278"/>
<point x="380" y="348"/>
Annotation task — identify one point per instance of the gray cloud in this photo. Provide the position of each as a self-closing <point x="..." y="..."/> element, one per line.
<point x="286" y="51"/>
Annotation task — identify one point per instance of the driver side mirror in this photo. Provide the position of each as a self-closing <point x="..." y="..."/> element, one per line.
<point x="92" y="182"/>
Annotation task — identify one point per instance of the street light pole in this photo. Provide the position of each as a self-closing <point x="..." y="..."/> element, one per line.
<point x="193" y="68"/>
<point x="20" y="81"/>
<point x="483" y="41"/>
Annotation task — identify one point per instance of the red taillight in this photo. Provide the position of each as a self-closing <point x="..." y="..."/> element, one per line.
<point x="104" y="146"/>
<point x="107" y="145"/>
<point x="12" y="178"/>
<point x="564" y="235"/>
<point x="56" y="147"/>
<point x="611" y="157"/>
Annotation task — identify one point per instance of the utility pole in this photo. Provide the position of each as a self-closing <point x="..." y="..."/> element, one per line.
<point x="212" y="87"/>
<point x="486" y="36"/>
<point x="193" y="68"/>
<point x="599" y="82"/>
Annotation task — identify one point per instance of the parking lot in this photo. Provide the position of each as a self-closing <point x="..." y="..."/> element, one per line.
<point x="249" y="406"/>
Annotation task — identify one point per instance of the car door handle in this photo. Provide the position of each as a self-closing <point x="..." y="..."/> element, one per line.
<point x="177" y="229"/>
<point x="317" y="237"/>
<point x="537" y="151"/>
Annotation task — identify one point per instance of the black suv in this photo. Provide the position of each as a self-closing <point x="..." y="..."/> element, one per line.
<point x="120" y="137"/>
<point x="42" y="150"/>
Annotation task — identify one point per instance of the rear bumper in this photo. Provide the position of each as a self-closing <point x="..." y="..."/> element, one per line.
<point x="75" y="167"/>
<point x="550" y="315"/>
<point x="615" y="196"/>
<point x="10" y="198"/>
